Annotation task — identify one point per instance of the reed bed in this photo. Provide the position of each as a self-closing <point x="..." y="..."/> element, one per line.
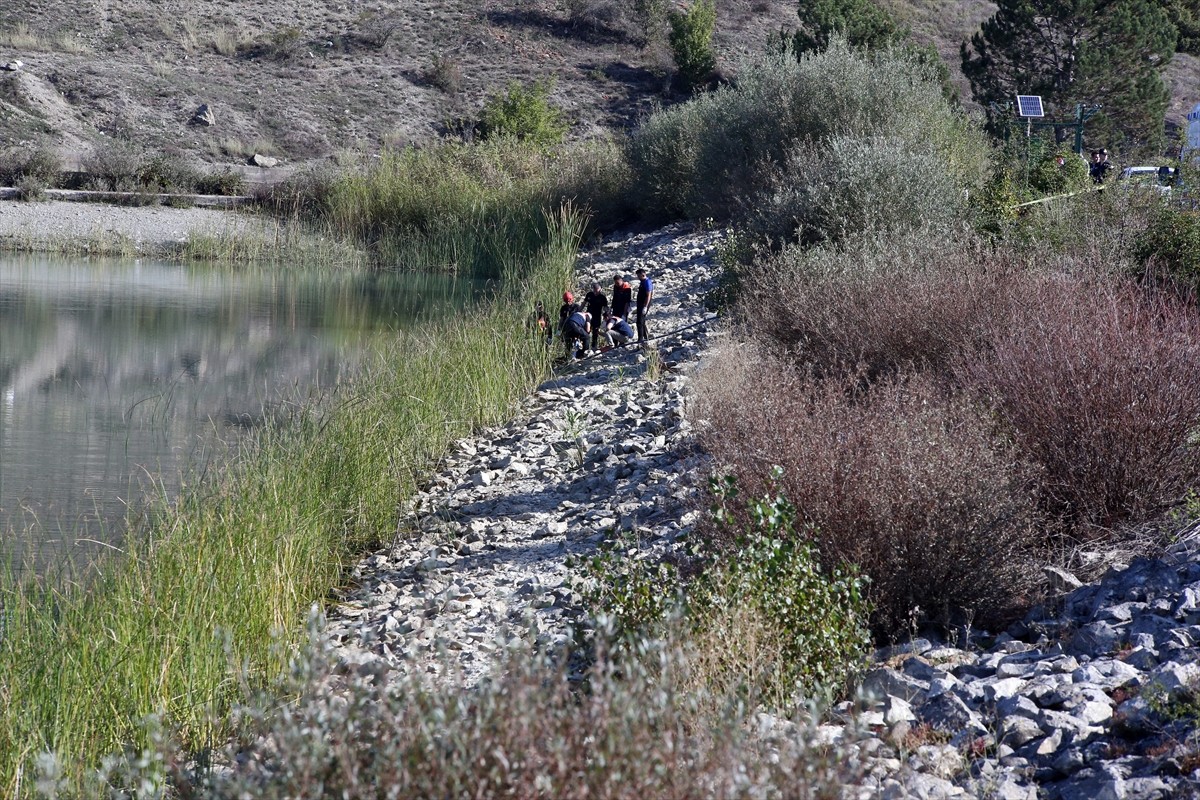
<point x="213" y="588"/>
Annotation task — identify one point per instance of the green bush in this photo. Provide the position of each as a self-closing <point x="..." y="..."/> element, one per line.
<point x="1170" y="246"/>
<point x="725" y="153"/>
<point x="691" y="42"/>
<point x="166" y="173"/>
<point x="631" y="586"/>
<point x="852" y="187"/>
<point x="114" y="167"/>
<point x="40" y="165"/>
<point x="226" y="182"/>
<point x="525" y="113"/>
<point x="819" y="614"/>
<point x="1055" y="170"/>
<point x="810" y="621"/>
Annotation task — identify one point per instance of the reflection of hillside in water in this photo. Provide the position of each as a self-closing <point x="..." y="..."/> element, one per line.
<point x="112" y="374"/>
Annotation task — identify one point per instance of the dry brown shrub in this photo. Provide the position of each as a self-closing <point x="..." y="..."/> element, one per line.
<point x="1099" y="383"/>
<point x="904" y="480"/>
<point x="880" y="304"/>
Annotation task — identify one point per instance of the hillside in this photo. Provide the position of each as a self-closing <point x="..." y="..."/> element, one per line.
<point x="300" y="80"/>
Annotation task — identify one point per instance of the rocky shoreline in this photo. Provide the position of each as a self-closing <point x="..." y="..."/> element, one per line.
<point x="1089" y="697"/>
<point x="482" y="555"/>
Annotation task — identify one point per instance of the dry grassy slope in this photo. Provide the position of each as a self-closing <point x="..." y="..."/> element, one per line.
<point x="304" y="78"/>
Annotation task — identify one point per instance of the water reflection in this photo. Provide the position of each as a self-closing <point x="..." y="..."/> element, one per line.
<point x="113" y="373"/>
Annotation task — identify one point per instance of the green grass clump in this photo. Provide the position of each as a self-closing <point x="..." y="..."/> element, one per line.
<point x="458" y="206"/>
<point x="216" y="585"/>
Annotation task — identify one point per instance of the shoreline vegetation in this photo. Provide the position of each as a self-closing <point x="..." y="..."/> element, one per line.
<point x="887" y="389"/>
<point x="213" y="587"/>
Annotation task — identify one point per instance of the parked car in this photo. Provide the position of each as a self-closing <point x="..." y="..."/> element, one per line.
<point x="1158" y="178"/>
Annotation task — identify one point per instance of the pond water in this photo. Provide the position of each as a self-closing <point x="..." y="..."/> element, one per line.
<point x="117" y="375"/>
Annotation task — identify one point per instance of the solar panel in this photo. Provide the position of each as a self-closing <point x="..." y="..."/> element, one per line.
<point x="1029" y="105"/>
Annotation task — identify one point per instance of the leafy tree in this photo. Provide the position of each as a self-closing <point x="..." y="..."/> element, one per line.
<point x="1106" y="52"/>
<point x="691" y="42"/>
<point x="862" y="23"/>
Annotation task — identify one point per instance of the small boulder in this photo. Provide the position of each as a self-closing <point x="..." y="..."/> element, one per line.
<point x="266" y="162"/>
<point x="204" y="116"/>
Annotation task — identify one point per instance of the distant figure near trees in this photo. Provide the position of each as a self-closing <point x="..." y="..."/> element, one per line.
<point x="1100" y="166"/>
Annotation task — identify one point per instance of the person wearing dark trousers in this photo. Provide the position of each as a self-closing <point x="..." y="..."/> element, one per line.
<point x="575" y="331"/>
<point x="595" y="304"/>
<point x="645" y="294"/>
<point x="622" y="297"/>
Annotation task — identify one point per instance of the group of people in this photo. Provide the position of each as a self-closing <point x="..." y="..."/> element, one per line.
<point x="596" y="318"/>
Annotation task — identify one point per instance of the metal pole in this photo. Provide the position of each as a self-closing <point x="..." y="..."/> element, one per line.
<point x="1079" y="129"/>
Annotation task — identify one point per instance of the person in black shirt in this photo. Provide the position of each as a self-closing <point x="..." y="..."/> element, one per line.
<point x="595" y="304"/>
<point x="568" y="307"/>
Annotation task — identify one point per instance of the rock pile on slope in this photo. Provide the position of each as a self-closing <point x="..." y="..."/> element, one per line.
<point x="1094" y="696"/>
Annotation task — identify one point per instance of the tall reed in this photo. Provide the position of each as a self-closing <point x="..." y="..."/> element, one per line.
<point x="211" y="584"/>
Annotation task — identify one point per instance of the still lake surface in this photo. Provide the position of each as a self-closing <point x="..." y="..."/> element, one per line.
<point x="118" y="376"/>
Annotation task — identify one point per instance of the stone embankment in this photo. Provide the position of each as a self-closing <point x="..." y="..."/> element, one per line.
<point x="1090" y="697"/>
<point x="482" y="555"/>
<point x="1096" y="695"/>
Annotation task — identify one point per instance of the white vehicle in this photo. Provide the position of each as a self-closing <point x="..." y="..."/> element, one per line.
<point x="1157" y="178"/>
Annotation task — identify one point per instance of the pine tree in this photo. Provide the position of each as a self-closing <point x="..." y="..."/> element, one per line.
<point x="1104" y="52"/>
<point x="1185" y="16"/>
<point x="863" y="24"/>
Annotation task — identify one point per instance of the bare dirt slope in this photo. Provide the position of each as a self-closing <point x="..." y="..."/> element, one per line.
<point x="302" y="79"/>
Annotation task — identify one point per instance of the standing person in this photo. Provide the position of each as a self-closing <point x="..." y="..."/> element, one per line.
<point x="541" y="322"/>
<point x="644" y="295"/>
<point x="1100" y="166"/>
<point x="622" y="297"/>
<point x="568" y="307"/>
<point x="595" y="304"/>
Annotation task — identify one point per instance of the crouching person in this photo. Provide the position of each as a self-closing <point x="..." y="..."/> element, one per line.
<point x="617" y="331"/>
<point x="575" y="330"/>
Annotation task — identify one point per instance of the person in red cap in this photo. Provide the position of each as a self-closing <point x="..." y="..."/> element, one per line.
<point x="568" y="308"/>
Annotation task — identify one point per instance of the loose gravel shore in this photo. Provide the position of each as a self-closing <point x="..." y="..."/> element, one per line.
<point x="54" y="223"/>
<point x="481" y="556"/>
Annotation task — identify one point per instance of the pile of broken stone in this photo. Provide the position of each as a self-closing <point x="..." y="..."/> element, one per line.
<point x="1091" y="696"/>
<point x="483" y="555"/>
<point x="1088" y="697"/>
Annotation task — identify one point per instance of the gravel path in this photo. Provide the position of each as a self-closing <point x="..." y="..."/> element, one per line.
<point x="43" y="225"/>
<point x="603" y="447"/>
